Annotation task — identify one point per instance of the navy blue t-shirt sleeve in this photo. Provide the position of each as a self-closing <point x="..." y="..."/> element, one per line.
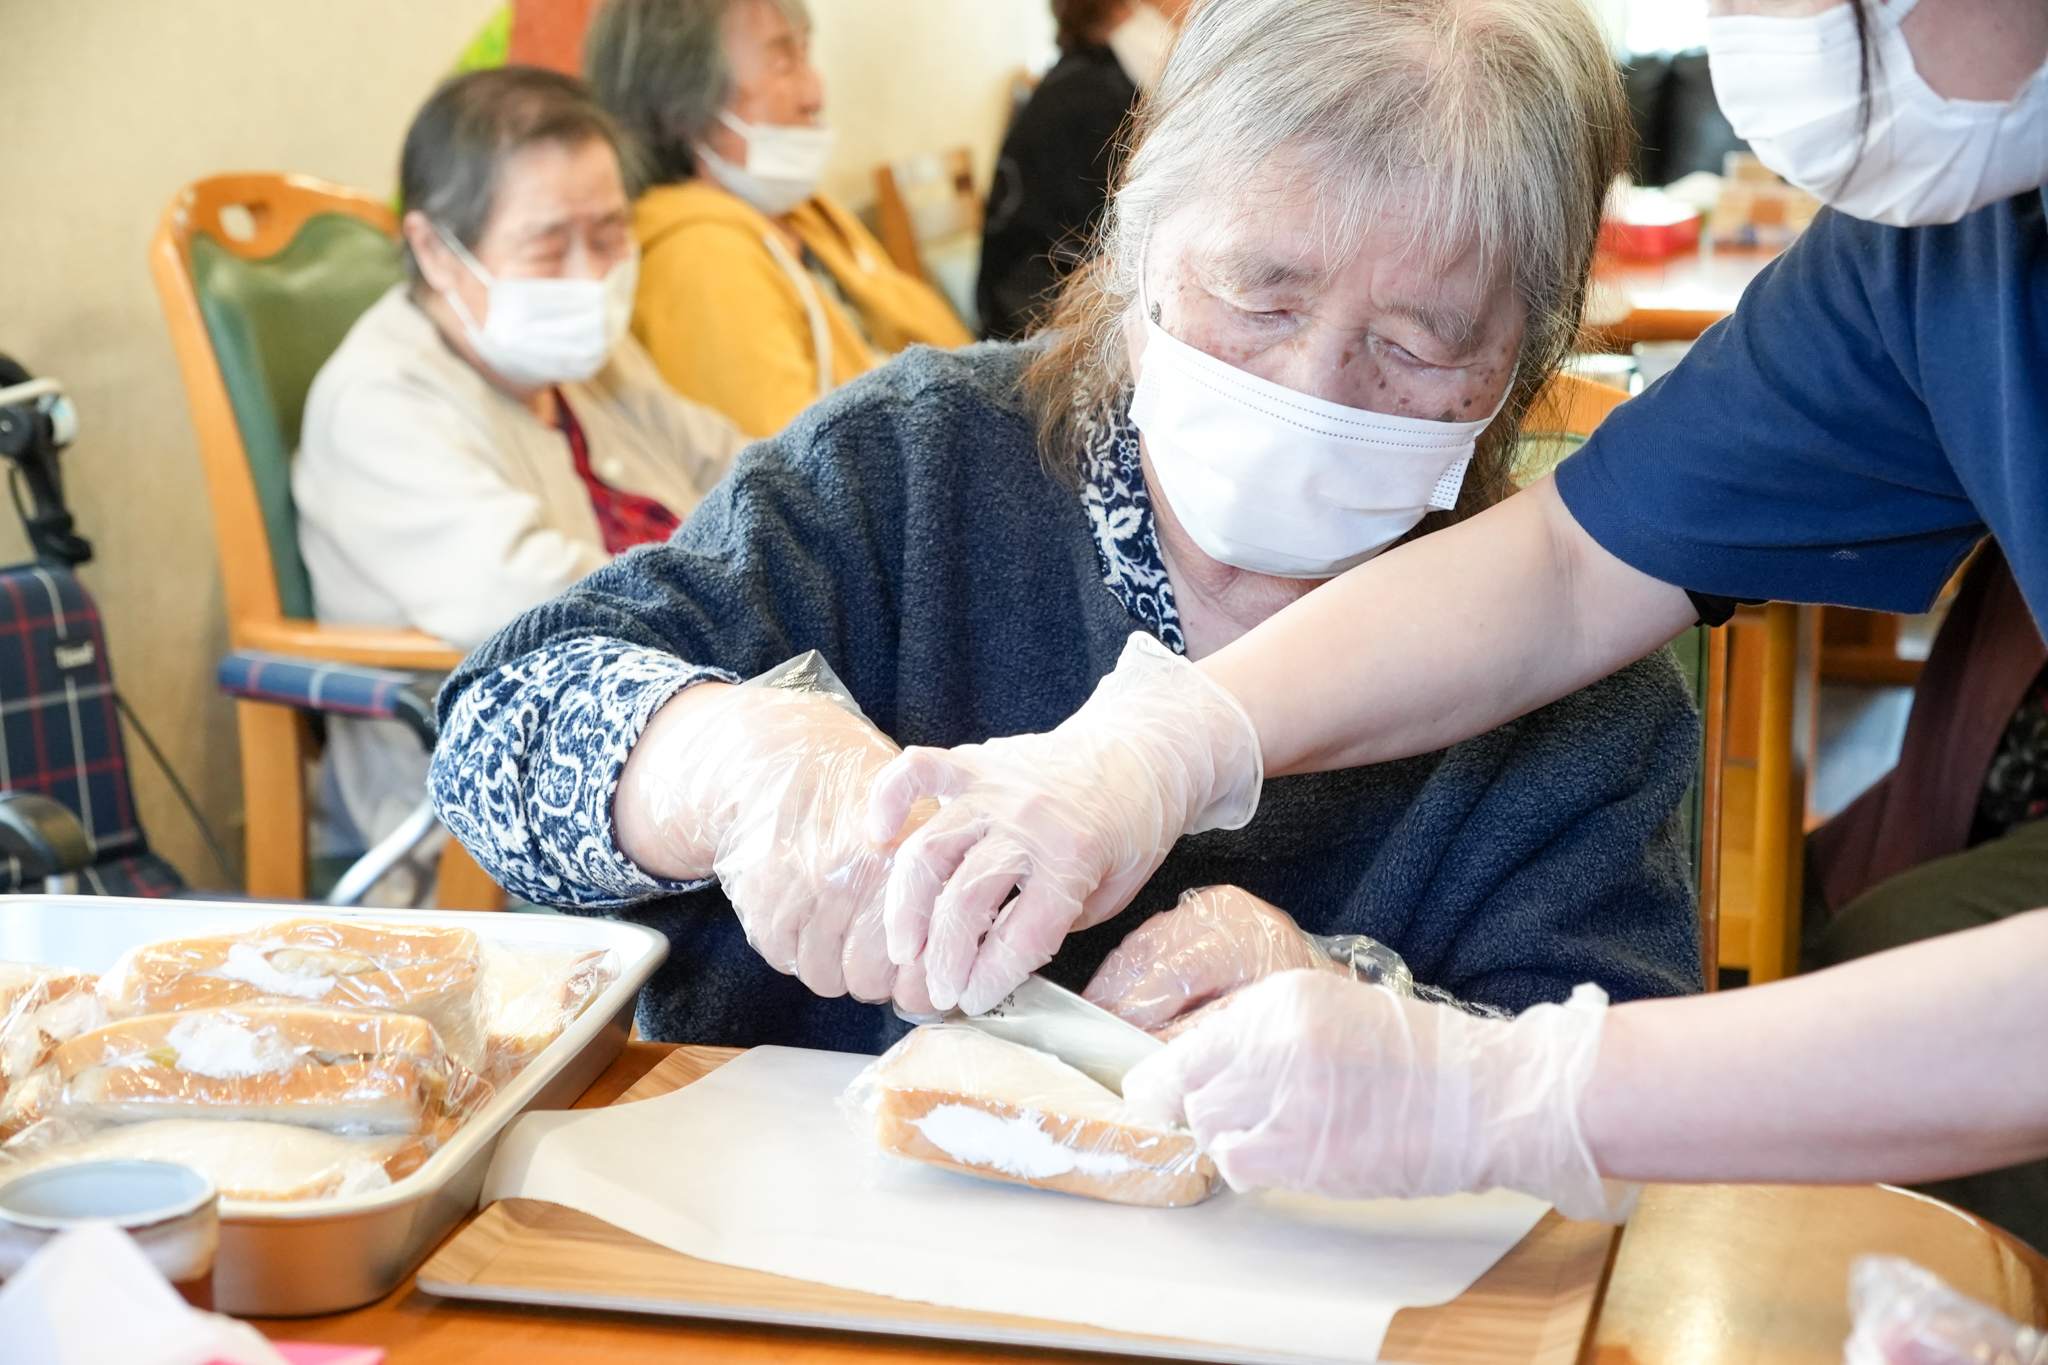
<point x="1792" y="456"/>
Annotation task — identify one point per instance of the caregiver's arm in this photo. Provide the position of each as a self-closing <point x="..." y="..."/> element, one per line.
<point x="1444" y="638"/>
<point x="1915" y="1064"/>
<point x="1427" y="645"/>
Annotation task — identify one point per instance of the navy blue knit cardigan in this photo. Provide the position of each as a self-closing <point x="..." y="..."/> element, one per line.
<point x="906" y="528"/>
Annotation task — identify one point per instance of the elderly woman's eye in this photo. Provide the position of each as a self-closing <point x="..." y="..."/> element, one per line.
<point x="1406" y="356"/>
<point x="1262" y="314"/>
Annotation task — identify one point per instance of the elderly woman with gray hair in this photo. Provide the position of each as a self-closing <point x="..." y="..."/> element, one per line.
<point x="759" y="293"/>
<point x="486" y="434"/>
<point x="1350" y="246"/>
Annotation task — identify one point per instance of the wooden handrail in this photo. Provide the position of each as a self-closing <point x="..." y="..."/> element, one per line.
<point x="369" y="645"/>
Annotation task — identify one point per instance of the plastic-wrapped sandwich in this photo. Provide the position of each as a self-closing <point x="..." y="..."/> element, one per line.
<point x="426" y="970"/>
<point x="530" y="994"/>
<point x="40" y="1008"/>
<point x="342" y="1071"/>
<point x="18" y="979"/>
<point x="954" y="1096"/>
<point x="271" y="1162"/>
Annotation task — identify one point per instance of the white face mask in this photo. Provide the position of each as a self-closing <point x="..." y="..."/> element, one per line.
<point x="1142" y="44"/>
<point x="783" y="166"/>
<point x="1277" y="482"/>
<point x="1792" y="88"/>
<point x="547" y="331"/>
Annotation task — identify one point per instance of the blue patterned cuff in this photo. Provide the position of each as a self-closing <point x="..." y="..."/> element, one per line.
<point x="529" y="761"/>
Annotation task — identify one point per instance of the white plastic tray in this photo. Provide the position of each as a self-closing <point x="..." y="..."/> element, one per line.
<point x="322" y="1256"/>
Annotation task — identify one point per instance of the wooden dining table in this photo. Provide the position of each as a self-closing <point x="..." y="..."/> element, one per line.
<point x="1674" y="299"/>
<point x="1702" y="1275"/>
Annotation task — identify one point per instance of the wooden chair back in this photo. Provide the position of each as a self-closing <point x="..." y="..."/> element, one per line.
<point x="261" y="276"/>
<point x="1772" y="698"/>
<point x="925" y="199"/>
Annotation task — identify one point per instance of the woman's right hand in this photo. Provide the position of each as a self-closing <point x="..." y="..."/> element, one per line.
<point x="1216" y="940"/>
<point x="1074" y="821"/>
<point x="764" y="788"/>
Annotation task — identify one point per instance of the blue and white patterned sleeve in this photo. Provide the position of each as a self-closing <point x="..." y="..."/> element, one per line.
<point x="531" y="755"/>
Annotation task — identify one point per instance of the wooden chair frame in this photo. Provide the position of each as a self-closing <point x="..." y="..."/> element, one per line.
<point x="898" y="226"/>
<point x="277" y="741"/>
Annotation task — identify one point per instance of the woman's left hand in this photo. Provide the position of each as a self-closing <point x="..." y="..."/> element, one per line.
<point x="1313" y="1082"/>
<point x="1216" y="940"/>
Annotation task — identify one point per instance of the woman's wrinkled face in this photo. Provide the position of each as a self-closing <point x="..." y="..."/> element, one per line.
<point x="1369" y="320"/>
<point x="559" y="212"/>
<point x="773" y="81"/>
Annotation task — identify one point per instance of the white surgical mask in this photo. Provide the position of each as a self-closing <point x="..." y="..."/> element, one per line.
<point x="547" y="331"/>
<point x="1792" y="88"/>
<point x="1277" y="482"/>
<point x="1142" y="44"/>
<point x="783" y="165"/>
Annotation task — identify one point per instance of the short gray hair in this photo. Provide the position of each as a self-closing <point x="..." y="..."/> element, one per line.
<point x="659" y="67"/>
<point x="1507" y="116"/>
<point x="456" y="150"/>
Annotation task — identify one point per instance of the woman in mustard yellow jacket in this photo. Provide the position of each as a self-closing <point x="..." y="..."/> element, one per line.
<point x="758" y="295"/>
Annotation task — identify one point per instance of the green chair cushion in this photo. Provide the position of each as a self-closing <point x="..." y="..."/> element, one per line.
<point x="274" y="322"/>
<point x="1689" y="652"/>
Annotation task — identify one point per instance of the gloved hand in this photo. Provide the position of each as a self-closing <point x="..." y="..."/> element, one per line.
<point x="1220" y="938"/>
<point x="1905" y="1315"/>
<point x="1075" y="820"/>
<point x="1315" y="1083"/>
<point x="763" y="786"/>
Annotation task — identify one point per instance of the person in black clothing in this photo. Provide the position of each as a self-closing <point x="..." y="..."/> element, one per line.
<point x="1052" y="178"/>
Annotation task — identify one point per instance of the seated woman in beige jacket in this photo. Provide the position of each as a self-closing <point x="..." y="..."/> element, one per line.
<point x="487" y="434"/>
<point x="758" y="294"/>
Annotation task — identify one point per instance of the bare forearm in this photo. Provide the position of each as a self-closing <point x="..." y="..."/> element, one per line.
<point x="1445" y="638"/>
<point x="1915" y="1064"/>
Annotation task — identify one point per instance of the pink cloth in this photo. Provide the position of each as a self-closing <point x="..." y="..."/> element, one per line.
<point x="318" y="1353"/>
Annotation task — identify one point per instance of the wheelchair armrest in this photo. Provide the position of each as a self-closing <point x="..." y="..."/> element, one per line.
<point x="42" y="836"/>
<point x="336" y="689"/>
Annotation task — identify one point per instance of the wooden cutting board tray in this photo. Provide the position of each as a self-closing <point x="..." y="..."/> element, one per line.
<point x="1532" y="1308"/>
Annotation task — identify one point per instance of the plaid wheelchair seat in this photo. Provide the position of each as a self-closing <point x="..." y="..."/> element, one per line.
<point x="60" y="734"/>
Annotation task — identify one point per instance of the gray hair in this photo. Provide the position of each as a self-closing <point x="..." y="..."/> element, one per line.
<point x="456" y="150"/>
<point x="1505" y="116"/>
<point x="659" y="66"/>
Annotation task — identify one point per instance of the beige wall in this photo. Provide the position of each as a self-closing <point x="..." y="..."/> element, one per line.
<point x="109" y="106"/>
<point x="907" y="77"/>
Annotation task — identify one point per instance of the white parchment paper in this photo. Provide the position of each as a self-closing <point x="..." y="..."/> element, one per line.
<point x="756" y="1166"/>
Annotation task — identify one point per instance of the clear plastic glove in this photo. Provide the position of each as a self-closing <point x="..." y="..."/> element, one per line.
<point x="1315" y="1083"/>
<point x="1075" y="821"/>
<point x="1218" y="939"/>
<point x="1905" y="1315"/>
<point x="763" y="786"/>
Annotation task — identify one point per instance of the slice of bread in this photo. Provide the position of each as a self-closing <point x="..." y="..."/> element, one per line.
<point x="954" y="1096"/>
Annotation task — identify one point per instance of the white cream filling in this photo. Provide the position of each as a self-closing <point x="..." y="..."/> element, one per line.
<point x="215" y="1047"/>
<point x="1014" y="1146"/>
<point x="247" y="963"/>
